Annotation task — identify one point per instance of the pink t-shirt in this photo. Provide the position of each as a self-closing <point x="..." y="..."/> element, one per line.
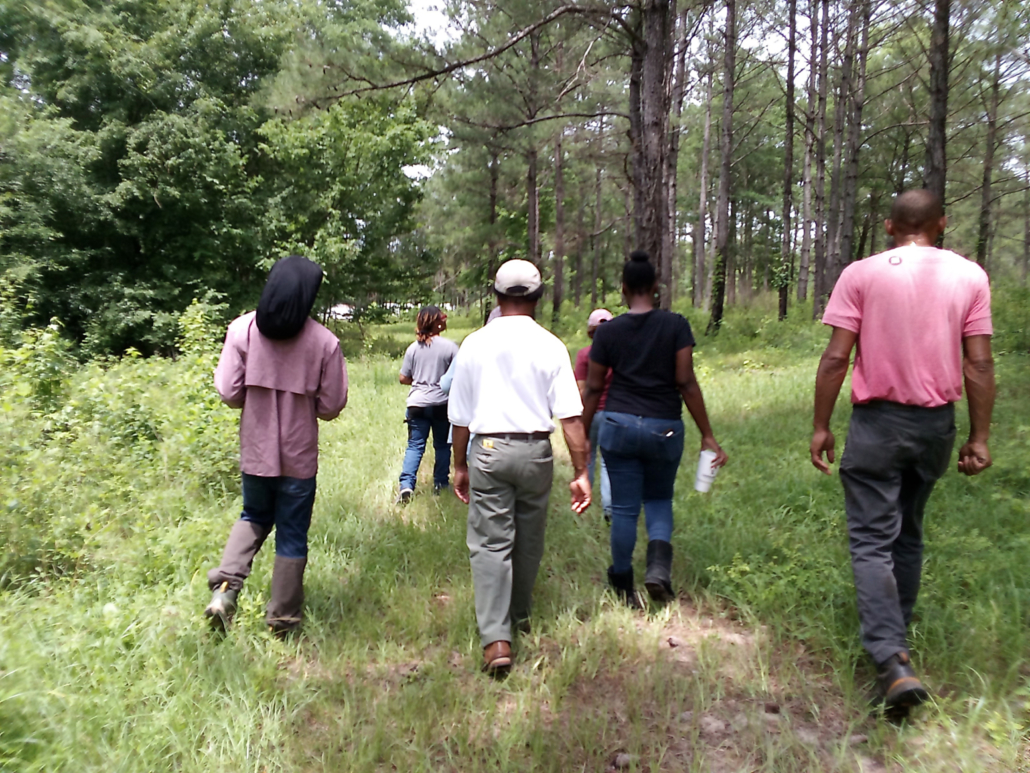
<point x="911" y="308"/>
<point x="283" y="387"/>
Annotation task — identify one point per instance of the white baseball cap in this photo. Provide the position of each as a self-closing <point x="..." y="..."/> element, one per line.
<point x="517" y="278"/>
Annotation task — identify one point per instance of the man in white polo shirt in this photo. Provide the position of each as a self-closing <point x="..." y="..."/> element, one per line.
<point x="510" y="378"/>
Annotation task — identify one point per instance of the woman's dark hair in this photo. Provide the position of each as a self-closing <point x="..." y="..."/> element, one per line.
<point x="428" y="322"/>
<point x="638" y="274"/>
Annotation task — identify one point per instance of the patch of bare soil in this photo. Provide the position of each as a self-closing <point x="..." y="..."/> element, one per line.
<point x="738" y="707"/>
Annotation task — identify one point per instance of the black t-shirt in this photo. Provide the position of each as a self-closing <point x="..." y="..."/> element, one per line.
<point x="641" y="351"/>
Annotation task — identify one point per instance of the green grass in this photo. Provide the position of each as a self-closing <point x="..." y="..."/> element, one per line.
<point x="110" y="667"/>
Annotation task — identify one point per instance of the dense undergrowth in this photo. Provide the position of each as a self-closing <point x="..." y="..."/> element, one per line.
<point x="118" y="483"/>
<point x="89" y="454"/>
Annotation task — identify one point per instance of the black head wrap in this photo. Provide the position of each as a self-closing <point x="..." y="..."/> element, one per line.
<point x="288" y="297"/>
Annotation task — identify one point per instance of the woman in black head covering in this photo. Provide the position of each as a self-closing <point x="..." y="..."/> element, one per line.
<point x="284" y="370"/>
<point x="425" y="363"/>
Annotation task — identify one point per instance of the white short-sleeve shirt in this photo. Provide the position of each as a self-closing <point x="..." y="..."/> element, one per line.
<point x="513" y="376"/>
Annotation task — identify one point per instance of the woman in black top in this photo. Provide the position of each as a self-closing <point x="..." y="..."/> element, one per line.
<point x="650" y="353"/>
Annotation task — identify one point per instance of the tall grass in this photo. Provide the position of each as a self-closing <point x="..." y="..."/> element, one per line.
<point x="106" y="664"/>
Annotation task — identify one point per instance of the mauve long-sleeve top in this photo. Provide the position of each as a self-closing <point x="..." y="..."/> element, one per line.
<point x="283" y="387"/>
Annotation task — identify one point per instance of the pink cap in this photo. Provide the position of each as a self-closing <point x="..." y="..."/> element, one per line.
<point x="597" y="316"/>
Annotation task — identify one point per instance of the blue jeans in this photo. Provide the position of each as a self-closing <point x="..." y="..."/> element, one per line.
<point x="606" y="486"/>
<point x="642" y="456"/>
<point x="420" y="421"/>
<point x="284" y="503"/>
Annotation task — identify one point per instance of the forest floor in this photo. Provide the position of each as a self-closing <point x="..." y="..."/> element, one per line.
<point x="756" y="666"/>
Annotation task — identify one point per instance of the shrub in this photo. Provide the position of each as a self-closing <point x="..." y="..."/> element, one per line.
<point x="84" y="449"/>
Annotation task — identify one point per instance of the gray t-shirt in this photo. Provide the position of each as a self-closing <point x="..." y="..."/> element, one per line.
<point x="426" y="363"/>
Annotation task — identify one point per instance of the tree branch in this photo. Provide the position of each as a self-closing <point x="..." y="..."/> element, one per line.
<point x="494" y="52"/>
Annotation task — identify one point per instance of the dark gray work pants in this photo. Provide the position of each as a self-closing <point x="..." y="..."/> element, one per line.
<point x="893" y="457"/>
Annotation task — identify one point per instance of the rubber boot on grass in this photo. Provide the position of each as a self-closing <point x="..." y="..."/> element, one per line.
<point x="658" y="579"/>
<point x="622" y="584"/>
<point x="222" y="607"/>
<point x="226" y="580"/>
<point x="285" y="608"/>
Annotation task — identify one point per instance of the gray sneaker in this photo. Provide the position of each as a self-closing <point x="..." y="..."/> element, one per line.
<point x="222" y="607"/>
<point x="405" y="496"/>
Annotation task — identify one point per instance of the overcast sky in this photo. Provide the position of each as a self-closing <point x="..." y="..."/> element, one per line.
<point x="430" y="19"/>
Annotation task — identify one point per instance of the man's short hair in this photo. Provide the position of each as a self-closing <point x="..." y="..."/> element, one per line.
<point x="916" y="210"/>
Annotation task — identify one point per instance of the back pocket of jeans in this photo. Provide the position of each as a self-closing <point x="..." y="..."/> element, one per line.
<point x="668" y="442"/>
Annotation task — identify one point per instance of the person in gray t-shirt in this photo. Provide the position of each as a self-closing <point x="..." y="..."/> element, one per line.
<point x="425" y="363"/>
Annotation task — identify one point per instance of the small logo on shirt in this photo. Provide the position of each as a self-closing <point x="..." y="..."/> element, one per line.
<point x="894" y="260"/>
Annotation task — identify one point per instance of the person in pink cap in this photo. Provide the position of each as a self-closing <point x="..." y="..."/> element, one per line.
<point x="596" y="318"/>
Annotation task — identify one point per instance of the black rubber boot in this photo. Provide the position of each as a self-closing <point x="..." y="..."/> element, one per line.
<point x="899" y="687"/>
<point x="658" y="579"/>
<point x="622" y="584"/>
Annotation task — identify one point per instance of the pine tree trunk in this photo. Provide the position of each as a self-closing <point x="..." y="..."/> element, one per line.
<point x="559" y="230"/>
<point x="819" y="239"/>
<point x="581" y="240"/>
<point x="788" y="162"/>
<point x="868" y="225"/>
<point x="732" y="254"/>
<point x="654" y="113"/>
<point x="935" y="171"/>
<point x="636" y="76"/>
<point x="702" y="207"/>
<point x="840" y="118"/>
<point x="857" y="104"/>
<point x="725" y="169"/>
<point x="810" y="112"/>
<point x="748" y="256"/>
<point x="668" y="279"/>
<point x="1026" y="224"/>
<point x="532" y="208"/>
<point x="492" y="239"/>
<point x="597" y="236"/>
<point x="984" y="224"/>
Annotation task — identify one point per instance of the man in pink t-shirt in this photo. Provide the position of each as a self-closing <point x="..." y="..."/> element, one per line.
<point x="921" y="320"/>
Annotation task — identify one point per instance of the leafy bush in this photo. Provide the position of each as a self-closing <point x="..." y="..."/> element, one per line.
<point x="83" y="449"/>
<point x="1010" y="308"/>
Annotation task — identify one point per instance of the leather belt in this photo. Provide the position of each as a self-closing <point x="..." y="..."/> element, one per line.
<point x="516" y="435"/>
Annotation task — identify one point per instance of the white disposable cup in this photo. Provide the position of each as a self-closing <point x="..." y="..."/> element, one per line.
<point x="706" y="472"/>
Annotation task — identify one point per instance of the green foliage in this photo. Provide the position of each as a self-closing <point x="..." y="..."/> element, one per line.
<point x="87" y="448"/>
<point x="341" y="196"/>
<point x="140" y="167"/>
<point x="1010" y="310"/>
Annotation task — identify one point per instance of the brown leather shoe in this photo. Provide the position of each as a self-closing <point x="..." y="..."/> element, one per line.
<point x="497" y="658"/>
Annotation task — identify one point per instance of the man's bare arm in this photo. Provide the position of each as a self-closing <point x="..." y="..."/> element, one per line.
<point x="579" y="449"/>
<point x="406" y="380"/>
<point x="833" y="369"/>
<point x="978" y="372"/>
<point x="460" y="444"/>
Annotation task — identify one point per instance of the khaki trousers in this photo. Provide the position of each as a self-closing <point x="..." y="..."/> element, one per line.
<point x="509" y="486"/>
